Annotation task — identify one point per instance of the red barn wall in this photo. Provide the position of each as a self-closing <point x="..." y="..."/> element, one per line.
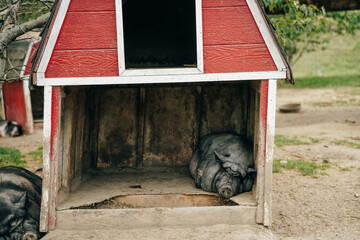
<point x="14" y="103"/>
<point x="87" y="43"/>
<point x="232" y="40"/>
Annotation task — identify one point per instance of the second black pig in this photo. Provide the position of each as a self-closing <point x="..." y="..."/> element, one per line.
<point x="223" y="163"/>
<point x="20" y="199"/>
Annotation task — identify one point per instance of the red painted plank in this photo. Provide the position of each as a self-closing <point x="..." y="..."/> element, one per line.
<point x="14" y="103"/>
<point x="91" y="5"/>
<point x="230" y="26"/>
<point x="83" y="63"/>
<point x="238" y="58"/>
<point x="223" y="3"/>
<point x="29" y="62"/>
<point x="84" y="30"/>
<point x="55" y="108"/>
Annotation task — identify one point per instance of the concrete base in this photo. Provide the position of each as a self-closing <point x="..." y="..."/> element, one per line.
<point x="222" y="231"/>
<point x="125" y="219"/>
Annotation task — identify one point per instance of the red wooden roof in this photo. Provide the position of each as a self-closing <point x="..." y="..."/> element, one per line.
<point x="231" y="40"/>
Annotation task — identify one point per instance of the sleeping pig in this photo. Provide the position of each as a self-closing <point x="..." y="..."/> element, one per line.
<point x="20" y="199"/>
<point x="10" y="129"/>
<point x="223" y="163"/>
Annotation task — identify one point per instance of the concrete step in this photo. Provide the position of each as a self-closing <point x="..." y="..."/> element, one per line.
<point x="221" y="231"/>
<point x="137" y="218"/>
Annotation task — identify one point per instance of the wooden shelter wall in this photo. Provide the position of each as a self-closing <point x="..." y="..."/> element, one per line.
<point x="74" y="135"/>
<point x="174" y="118"/>
<point x="101" y="127"/>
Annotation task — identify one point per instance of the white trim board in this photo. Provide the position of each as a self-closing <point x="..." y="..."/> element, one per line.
<point x="266" y="34"/>
<point x="120" y="36"/>
<point x="55" y="30"/>
<point x="144" y="79"/>
<point x="121" y="47"/>
<point x="45" y="197"/>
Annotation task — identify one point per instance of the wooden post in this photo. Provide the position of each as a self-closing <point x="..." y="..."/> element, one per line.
<point x="49" y="184"/>
<point x="261" y="152"/>
<point x="44" y="211"/>
<point x="270" y="134"/>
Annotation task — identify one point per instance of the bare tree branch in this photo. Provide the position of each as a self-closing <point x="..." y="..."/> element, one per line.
<point x="12" y="33"/>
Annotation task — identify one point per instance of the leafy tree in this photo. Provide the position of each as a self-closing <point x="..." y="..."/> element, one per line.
<point x="300" y="26"/>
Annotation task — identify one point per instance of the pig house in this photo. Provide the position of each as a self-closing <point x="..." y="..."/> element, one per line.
<point x="129" y="89"/>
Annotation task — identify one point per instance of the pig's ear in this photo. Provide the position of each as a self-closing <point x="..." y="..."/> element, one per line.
<point x="21" y="203"/>
<point x="229" y="166"/>
<point x="221" y="157"/>
<point x="251" y="172"/>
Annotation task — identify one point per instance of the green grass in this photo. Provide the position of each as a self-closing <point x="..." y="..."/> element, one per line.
<point x="306" y="168"/>
<point x="341" y="57"/>
<point x="336" y="66"/>
<point x="347" y="143"/>
<point x="11" y="156"/>
<point x="281" y="141"/>
<point x="36" y="155"/>
<point x="324" y="82"/>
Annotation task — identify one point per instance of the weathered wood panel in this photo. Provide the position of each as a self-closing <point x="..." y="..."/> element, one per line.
<point x="261" y="154"/>
<point x="88" y="30"/>
<point x="222" y="3"/>
<point x="117" y="127"/>
<point x="223" y="110"/>
<point x="238" y="58"/>
<point x="67" y="123"/>
<point x="170" y="124"/>
<point x="228" y="26"/>
<point x="83" y="63"/>
<point x="79" y="128"/>
<point x="91" y="5"/>
<point x="54" y="148"/>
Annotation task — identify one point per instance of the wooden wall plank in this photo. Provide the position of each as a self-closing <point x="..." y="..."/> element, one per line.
<point x="55" y="117"/>
<point x="222" y="3"/>
<point x="79" y="128"/>
<point x="83" y="63"/>
<point x="118" y="127"/>
<point x="226" y="26"/>
<point x="170" y="125"/>
<point x="91" y="5"/>
<point x="237" y="58"/>
<point x="223" y="109"/>
<point x="88" y="30"/>
<point x="141" y="125"/>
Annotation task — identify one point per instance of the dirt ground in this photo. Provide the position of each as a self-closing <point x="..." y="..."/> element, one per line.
<point x="324" y="206"/>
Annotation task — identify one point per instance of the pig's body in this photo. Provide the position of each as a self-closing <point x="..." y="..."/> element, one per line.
<point x="10" y="129"/>
<point x="20" y="199"/>
<point x="223" y="163"/>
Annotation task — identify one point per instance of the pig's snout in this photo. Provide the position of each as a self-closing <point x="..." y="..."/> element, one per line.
<point x="226" y="192"/>
<point x="29" y="236"/>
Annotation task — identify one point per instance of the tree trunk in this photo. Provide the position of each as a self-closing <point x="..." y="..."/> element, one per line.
<point x="11" y="34"/>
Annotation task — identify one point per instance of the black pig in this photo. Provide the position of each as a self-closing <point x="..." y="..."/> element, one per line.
<point x="20" y="199"/>
<point x="223" y="163"/>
